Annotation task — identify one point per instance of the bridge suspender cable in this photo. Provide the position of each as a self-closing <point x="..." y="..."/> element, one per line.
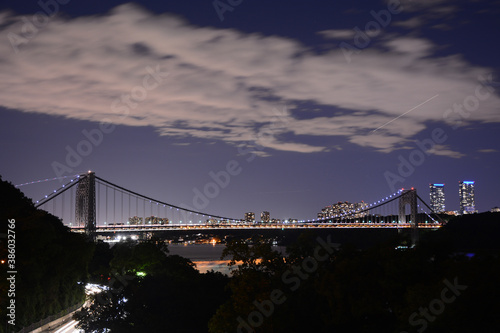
<point x="361" y="211"/>
<point x="432" y="211"/>
<point x="164" y="203"/>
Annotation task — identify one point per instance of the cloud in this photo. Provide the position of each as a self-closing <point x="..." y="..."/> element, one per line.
<point x="437" y="8"/>
<point x="338" y="34"/>
<point x="223" y="84"/>
<point x="443" y="150"/>
<point x="488" y="151"/>
<point x="411" y="46"/>
<point x="412" y="23"/>
<point x="425" y="11"/>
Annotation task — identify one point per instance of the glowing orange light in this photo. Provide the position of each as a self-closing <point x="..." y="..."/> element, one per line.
<point x="3" y="261"/>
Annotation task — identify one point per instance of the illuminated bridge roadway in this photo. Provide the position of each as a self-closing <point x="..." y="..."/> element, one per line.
<point x="232" y="226"/>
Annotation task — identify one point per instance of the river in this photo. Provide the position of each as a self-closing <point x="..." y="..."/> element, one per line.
<point x="206" y="256"/>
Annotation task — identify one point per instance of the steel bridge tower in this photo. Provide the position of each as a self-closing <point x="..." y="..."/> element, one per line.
<point x="409" y="197"/>
<point x="85" y="207"/>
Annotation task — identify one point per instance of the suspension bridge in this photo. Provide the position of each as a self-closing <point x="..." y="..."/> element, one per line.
<point x="91" y="204"/>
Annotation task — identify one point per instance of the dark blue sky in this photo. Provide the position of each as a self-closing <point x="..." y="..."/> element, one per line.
<point x="317" y="102"/>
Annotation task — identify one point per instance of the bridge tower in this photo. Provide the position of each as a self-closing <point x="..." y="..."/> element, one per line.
<point x="85" y="208"/>
<point x="409" y="197"/>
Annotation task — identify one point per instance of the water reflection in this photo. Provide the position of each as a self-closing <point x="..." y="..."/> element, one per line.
<point x="216" y="265"/>
<point x="207" y="256"/>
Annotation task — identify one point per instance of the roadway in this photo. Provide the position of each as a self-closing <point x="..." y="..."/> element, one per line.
<point x="166" y="227"/>
<point x="69" y="325"/>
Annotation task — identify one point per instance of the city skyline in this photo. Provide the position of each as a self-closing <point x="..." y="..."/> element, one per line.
<point x="260" y="106"/>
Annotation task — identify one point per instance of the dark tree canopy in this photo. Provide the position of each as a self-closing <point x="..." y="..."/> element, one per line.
<point x="51" y="261"/>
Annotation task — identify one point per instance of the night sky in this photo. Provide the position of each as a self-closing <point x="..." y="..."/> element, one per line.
<point x="305" y="102"/>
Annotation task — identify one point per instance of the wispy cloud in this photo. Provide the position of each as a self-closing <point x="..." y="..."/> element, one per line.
<point x="338" y="33"/>
<point x="443" y="150"/>
<point x="412" y="23"/>
<point x="223" y="84"/>
<point x="489" y="150"/>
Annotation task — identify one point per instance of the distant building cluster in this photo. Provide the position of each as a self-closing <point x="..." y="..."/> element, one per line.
<point x="343" y="208"/>
<point x="265" y="217"/>
<point x="148" y="220"/>
<point x="466" y="198"/>
<point x="135" y="220"/>
<point x="250" y="217"/>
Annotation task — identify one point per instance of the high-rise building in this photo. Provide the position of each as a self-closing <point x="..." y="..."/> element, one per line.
<point x="437" y="197"/>
<point x="250" y="217"/>
<point x="467" y="199"/>
<point x="265" y="217"/>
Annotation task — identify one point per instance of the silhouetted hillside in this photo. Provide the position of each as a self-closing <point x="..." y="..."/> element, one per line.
<point x="469" y="233"/>
<point x="51" y="262"/>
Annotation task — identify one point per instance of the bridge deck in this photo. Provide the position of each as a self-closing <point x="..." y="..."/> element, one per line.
<point x="138" y="228"/>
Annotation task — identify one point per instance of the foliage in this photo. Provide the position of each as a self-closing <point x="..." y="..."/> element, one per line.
<point x="381" y="289"/>
<point x="170" y="294"/>
<point x="50" y="260"/>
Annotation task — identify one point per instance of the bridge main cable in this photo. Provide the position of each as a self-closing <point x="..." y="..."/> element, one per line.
<point x="165" y="203"/>
<point x="58" y="192"/>
<point x="432" y="211"/>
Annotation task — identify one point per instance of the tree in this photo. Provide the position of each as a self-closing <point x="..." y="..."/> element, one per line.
<point x="165" y="294"/>
<point x="52" y="261"/>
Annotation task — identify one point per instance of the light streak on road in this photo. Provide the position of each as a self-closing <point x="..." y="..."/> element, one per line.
<point x="69" y="328"/>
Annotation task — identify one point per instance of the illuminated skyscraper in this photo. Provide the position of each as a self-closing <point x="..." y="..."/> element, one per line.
<point x="437" y="197"/>
<point x="250" y="217"/>
<point x="265" y="216"/>
<point x="467" y="199"/>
